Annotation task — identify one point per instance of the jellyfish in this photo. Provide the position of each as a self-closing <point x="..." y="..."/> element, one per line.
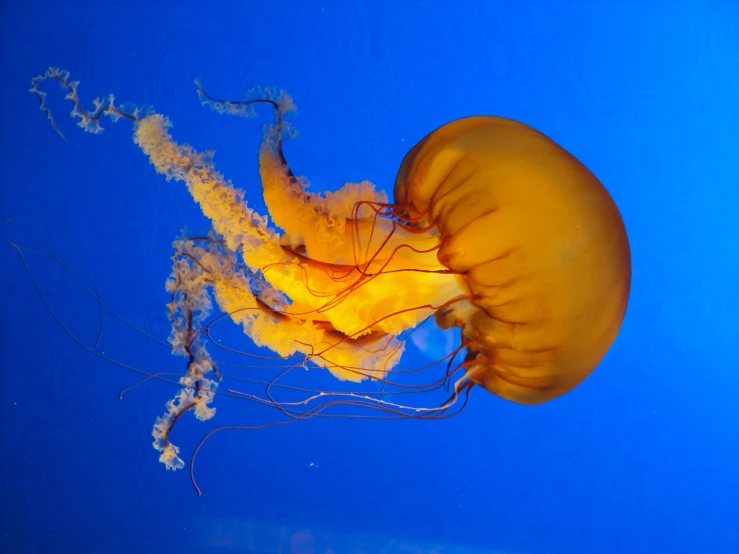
<point x="494" y="230"/>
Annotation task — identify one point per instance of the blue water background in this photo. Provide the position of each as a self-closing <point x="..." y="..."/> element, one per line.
<point x="642" y="457"/>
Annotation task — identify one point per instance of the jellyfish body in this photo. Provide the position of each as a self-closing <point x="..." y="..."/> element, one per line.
<point x="494" y="229"/>
<point x="537" y="240"/>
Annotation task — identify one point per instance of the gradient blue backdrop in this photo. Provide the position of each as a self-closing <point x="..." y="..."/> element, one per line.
<point x="642" y="457"/>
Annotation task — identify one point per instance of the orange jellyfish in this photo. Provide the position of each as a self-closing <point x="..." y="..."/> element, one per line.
<point x="494" y="229"/>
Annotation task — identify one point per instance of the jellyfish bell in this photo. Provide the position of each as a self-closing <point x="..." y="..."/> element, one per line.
<point x="538" y="242"/>
<point x="494" y="229"/>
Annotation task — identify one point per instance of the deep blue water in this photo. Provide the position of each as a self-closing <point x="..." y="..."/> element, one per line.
<point x="642" y="457"/>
